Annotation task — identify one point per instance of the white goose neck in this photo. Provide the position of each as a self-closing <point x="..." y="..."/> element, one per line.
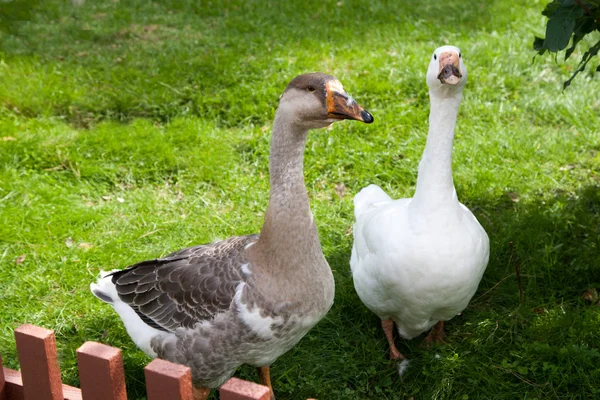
<point x="434" y="183"/>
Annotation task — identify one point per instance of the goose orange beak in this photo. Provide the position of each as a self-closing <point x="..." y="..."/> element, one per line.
<point x="449" y="68"/>
<point x="340" y="105"/>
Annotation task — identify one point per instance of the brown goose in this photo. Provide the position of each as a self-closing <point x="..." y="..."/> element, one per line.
<point x="246" y="299"/>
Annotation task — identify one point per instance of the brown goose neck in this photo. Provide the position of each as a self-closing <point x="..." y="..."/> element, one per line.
<point x="288" y="221"/>
<point x="286" y="155"/>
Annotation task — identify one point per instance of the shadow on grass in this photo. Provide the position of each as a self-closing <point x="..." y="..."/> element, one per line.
<point x="555" y="239"/>
<point x="164" y="59"/>
<point x="547" y="345"/>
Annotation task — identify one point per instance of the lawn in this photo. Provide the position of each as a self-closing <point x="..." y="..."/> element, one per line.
<point x="130" y="129"/>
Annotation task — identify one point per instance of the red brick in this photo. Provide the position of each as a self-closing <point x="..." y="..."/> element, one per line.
<point x="101" y="372"/>
<point x="238" y="389"/>
<point x="39" y="363"/>
<point x="168" y="381"/>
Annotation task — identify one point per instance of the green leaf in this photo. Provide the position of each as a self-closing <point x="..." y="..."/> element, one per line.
<point x="550" y="8"/>
<point x="538" y="44"/>
<point x="558" y="33"/>
<point x="598" y="68"/>
<point x="587" y="56"/>
<point x="583" y="26"/>
<point x="568" y="3"/>
<point x="560" y="27"/>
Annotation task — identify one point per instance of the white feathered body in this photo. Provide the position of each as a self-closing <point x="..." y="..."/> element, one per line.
<point x="414" y="265"/>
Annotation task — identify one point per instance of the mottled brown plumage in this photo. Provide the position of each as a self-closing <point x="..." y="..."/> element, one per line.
<point x="246" y="299"/>
<point x="186" y="287"/>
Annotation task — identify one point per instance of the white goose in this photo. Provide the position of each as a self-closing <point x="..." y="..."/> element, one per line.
<point x="417" y="262"/>
<point x="246" y="299"/>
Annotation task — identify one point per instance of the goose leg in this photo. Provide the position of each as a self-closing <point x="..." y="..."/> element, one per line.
<point x="436" y="334"/>
<point x="265" y="379"/>
<point x="201" y="393"/>
<point x="388" y="328"/>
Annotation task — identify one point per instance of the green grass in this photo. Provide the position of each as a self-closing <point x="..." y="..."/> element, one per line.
<point x="136" y="128"/>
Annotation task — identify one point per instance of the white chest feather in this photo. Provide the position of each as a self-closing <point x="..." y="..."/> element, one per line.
<point x="256" y="320"/>
<point x="266" y="327"/>
<point x="417" y="272"/>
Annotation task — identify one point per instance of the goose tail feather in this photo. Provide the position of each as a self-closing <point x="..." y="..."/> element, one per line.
<point x="104" y="288"/>
<point x="367" y="198"/>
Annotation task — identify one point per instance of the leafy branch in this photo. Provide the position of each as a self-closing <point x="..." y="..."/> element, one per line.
<point x="570" y="19"/>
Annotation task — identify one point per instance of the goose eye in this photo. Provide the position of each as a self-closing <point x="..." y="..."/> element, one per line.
<point x="311" y="88"/>
<point x="459" y="55"/>
<point x="435" y="56"/>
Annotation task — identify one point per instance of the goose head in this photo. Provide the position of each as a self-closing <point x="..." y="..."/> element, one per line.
<point x="317" y="100"/>
<point x="446" y="71"/>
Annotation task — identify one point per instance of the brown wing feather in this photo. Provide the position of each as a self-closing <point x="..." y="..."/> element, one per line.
<point x="185" y="287"/>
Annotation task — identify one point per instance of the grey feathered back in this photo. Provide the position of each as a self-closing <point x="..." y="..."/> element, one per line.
<point x="185" y="287"/>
